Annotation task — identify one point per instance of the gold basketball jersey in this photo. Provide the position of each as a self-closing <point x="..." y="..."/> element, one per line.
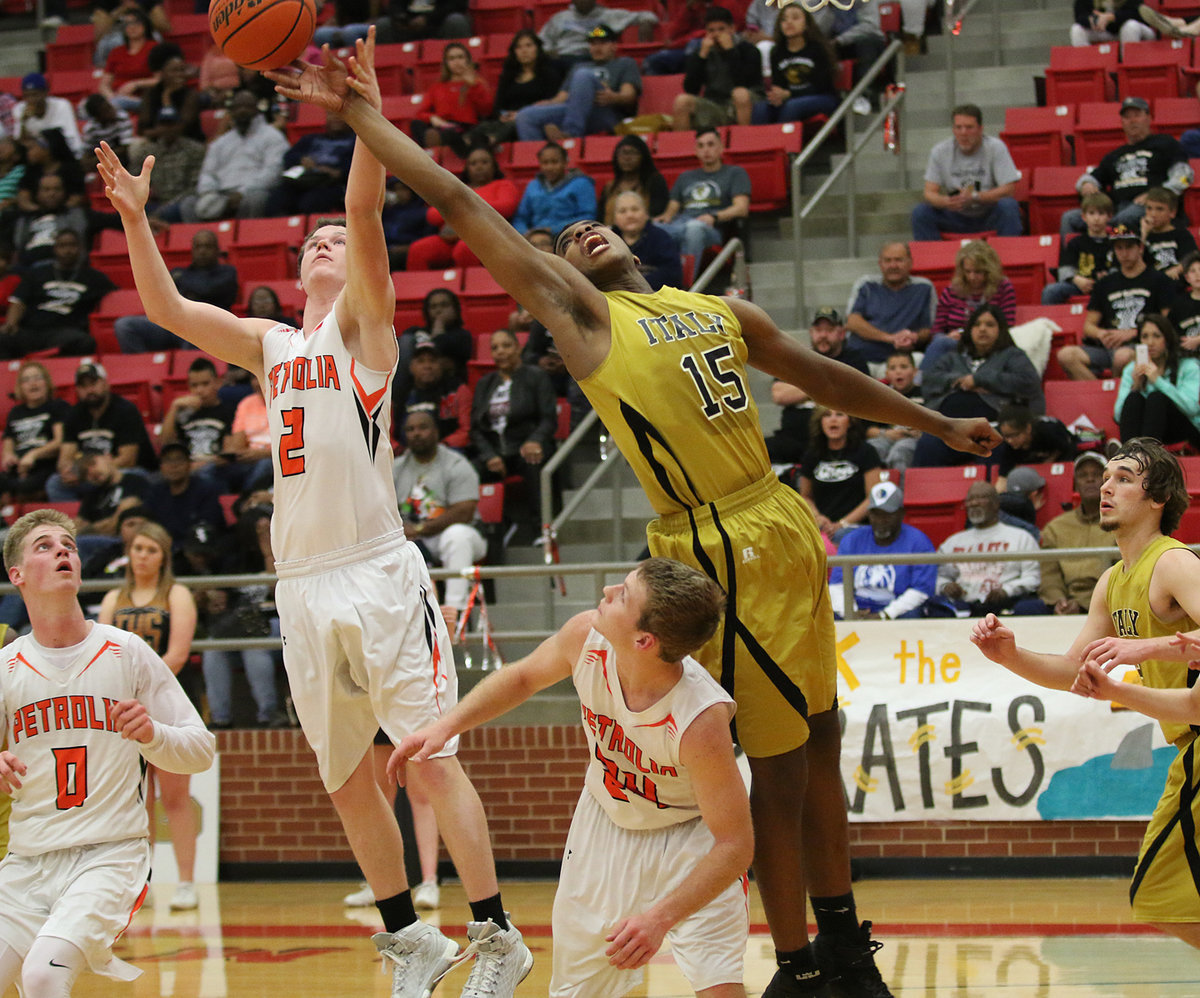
<point x="1129" y="605"/>
<point x="673" y="393"/>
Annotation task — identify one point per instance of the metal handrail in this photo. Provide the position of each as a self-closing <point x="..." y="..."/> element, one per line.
<point x="801" y="210"/>
<point x="954" y="20"/>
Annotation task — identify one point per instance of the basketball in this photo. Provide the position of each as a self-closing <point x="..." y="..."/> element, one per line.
<point x="262" y="34"/>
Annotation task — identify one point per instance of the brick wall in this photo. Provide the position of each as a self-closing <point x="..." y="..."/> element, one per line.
<point x="275" y="811"/>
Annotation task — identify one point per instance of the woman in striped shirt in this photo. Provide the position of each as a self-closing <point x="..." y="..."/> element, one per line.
<point x="978" y="280"/>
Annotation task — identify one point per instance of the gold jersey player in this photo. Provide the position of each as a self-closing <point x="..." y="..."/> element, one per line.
<point x="1137" y="608"/>
<point x="667" y="372"/>
<point x="365" y="645"/>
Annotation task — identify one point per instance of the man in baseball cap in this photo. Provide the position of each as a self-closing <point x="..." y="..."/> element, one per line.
<point x="1068" y="582"/>
<point x="37" y="112"/>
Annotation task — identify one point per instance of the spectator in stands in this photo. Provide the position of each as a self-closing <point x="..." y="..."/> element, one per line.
<point x="969" y="183"/>
<point x="656" y="249"/>
<point x="350" y="21"/>
<point x="1160" y="396"/>
<point x="985" y="373"/>
<point x="556" y="196"/>
<point x="455" y="344"/>
<point x="913" y="16"/>
<point x="403" y="222"/>
<point x="897" y="444"/>
<point x="202" y="421"/>
<point x="1126" y="293"/>
<point x="205" y="279"/>
<point x="827" y="333"/>
<point x="104" y="123"/>
<point x="1166" y="243"/>
<point x="1184" y="312"/>
<point x="129" y="521"/>
<point x="407" y="20"/>
<point x="106" y="20"/>
<point x="566" y="35"/>
<point x="891" y="312"/>
<point x="978" y="280"/>
<point x="99" y="421"/>
<point x="442" y="396"/>
<point x="482" y="173"/>
<point x="38" y="112"/>
<point x="455" y="104"/>
<point x="802" y="71"/>
<point x="48" y="155"/>
<point x="249" y="445"/>
<point x="33" y="435"/>
<point x="761" y="18"/>
<point x="438" y="492"/>
<point x="263" y="303"/>
<point x="1109" y="21"/>
<point x="110" y="490"/>
<point x="1067" y="583"/>
<point x="597" y="94"/>
<point x="633" y="170"/>
<point x="1030" y="439"/>
<point x="1022" y="494"/>
<point x="12" y="170"/>
<point x="177" y="164"/>
<point x="714" y="194"/>
<point x="885" y="592"/>
<point x="314" y="172"/>
<point x="240" y="167"/>
<point x="991" y="586"/>
<point x="1086" y="258"/>
<point x="181" y="501"/>
<point x="856" y="34"/>
<point x="127" y="71"/>
<point x="838" y="470"/>
<point x="1126" y="173"/>
<point x="684" y="30"/>
<point x="36" y="233"/>
<point x="513" y="418"/>
<point x="50" y="308"/>
<point x="722" y="78"/>
<point x="170" y="89"/>
<point x="527" y="76"/>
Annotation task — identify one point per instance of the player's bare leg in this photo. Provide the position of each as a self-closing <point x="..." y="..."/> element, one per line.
<point x="1189" y="932"/>
<point x="371" y="829"/>
<point x="177" y="804"/>
<point x="723" y="991"/>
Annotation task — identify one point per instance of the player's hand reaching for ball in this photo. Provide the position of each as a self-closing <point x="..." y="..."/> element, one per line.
<point x="362" y="65"/>
<point x="328" y="85"/>
<point x="127" y="193"/>
<point x="634" y="941"/>
<point x="971" y="436"/>
<point x="131" y="721"/>
<point x="11" y="769"/>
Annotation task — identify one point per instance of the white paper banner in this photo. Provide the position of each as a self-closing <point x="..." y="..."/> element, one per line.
<point x="933" y="730"/>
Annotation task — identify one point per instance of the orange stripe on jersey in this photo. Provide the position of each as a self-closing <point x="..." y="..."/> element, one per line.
<point x="24" y="662"/>
<point x="103" y="648"/>
<point x="369" y="401"/>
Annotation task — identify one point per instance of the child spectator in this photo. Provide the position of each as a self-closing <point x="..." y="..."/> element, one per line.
<point x="1084" y="259"/>
<point x="802" y="71"/>
<point x="1166" y="244"/>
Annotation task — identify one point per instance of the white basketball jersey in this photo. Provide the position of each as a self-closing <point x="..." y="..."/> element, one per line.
<point x="85" y="783"/>
<point x="330" y="420"/>
<point x="634" y="772"/>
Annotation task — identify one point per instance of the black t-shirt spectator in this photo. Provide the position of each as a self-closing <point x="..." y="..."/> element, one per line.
<point x="29" y="428"/>
<point x="1052" y="441"/>
<point x="55" y="298"/>
<point x="1166" y="249"/>
<point x="203" y="431"/>
<point x="838" y="478"/>
<point x="793" y="419"/>
<point x="120" y="423"/>
<point x="180" y="514"/>
<point x="1122" y="300"/>
<point x="1185" y="314"/>
<point x="1130" y="170"/>
<point x="1087" y="256"/>
<point x="101" y="503"/>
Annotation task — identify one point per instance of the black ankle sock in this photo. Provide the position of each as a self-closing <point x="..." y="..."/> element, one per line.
<point x="800" y="964"/>
<point x="836" y="916"/>
<point x="491" y="908"/>
<point x="397" y="911"/>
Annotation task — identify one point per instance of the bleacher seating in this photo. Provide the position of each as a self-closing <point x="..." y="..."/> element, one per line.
<point x="933" y="498"/>
<point x="1081" y="74"/>
<point x="1038" y="136"/>
<point x="1097" y="131"/>
<point x="1153" y="69"/>
<point x="1072" y="401"/>
<point x="1051" y="192"/>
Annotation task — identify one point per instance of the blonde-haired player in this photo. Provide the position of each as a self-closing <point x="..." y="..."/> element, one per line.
<point x="661" y="838"/>
<point x="84" y="706"/>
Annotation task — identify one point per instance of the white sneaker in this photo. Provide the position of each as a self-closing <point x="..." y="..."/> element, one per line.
<point x="184" y="898"/>
<point x="861" y="105"/>
<point x="364" y="897"/>
<point x="502" y="960"/>
<point x="426" y="895"/>
<point x="419" y="955"/>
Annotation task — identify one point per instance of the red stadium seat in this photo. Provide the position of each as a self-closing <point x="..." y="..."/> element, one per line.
<point x="485" y="304"/>
<point x="1059" y="477"/>
<point x="659" y="93"/>
<point x="763" y="151"/>
<point x="1028" y="262"/>
<point x="499" y="17"/>
<point x="1081" y="74"/>
<point x="1051" y="192"/>
<point x="1037" y="136"/>
<point x="1097" y="131"/>
<point x="933" y="498"/>
<point x="190" y="32"/>
<point x="309" y="120"/>
<point x="1152" y="69"/>
<point x="178" y="251"/>
<point x="394" y="65"/>
<point x="114" y="305"/>
<point x="1084" y="403"/>
<point x="1175" y="115"/>
<point x="74" y="84"/>
<point x="491" y="502"/>
<point x="402" y="109"/>
<point x="140" y="377"/>
<point x="411" y="288"/>
<point x="935" y="260"/>
<point x="71" y="48"/>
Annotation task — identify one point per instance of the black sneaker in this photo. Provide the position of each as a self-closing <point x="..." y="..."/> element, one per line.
<point x="848" y="963"/>
<point x="786" y="985"/>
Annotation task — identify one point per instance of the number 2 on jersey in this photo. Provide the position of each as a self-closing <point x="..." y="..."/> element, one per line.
<point x="733" y="398"/>
<point x="70" y="776"/>
<point x="291" y="442"/>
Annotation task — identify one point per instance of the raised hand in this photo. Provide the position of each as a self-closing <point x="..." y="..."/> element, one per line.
<point x="127" y="193"/>
<point x="324" y="85"/>
<point x="362" y="63"/>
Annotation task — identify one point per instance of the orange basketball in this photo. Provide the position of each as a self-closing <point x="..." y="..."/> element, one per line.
<point x="262" y="34"/>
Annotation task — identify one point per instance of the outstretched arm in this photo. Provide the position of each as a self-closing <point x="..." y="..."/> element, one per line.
<point x="553" y="291"/>
<point x="1181" y="706"/>
<point x="220" y="333"/>
<point x="838" y="385"/>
